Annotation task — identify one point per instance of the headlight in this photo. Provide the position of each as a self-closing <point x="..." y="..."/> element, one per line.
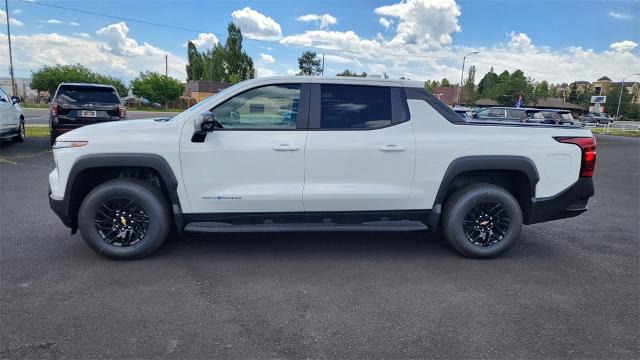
<point x="69" y="144"/>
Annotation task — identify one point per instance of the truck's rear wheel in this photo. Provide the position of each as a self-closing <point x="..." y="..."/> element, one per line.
<point x="124" y="219"/>
<point x="481" y="220"/>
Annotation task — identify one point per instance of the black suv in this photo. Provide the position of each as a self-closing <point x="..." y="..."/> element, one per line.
<point x="75" y="105"/>
<point x="560" y="117"/>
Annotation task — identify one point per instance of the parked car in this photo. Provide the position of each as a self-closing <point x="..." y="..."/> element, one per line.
<point x="464" y="113"/>
<point x="596" y="118"/>
<point x="76" y="104"/>
<point x="362" y="155"/>
<point x="561" y="117"/>
<point x="11" y="118"/>
<point x="511" y="114"/>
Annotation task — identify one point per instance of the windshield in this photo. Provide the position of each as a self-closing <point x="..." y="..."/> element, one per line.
<point x="87" y="94"/>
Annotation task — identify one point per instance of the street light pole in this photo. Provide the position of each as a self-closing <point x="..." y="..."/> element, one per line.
<point x="462" y="75"/>
<point x="620" y="98"/>
<point x="13" y="81"/>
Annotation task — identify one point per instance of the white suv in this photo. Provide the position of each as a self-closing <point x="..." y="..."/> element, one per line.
<point x="11" y="118"/>
<point x="318" y="154"/>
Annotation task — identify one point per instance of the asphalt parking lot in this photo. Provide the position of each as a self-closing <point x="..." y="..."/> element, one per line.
<point x="41" y="116"/>
<point x="568" y="289"/>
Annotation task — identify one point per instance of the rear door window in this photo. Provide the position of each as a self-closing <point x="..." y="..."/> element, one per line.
<point x="87" y="94"/>
<point x="515" y="113"/>
<point x="346" y="107"/>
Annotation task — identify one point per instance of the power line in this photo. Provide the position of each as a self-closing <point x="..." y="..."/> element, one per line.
<point x="145" y="22"/>
<point x="324" y="48"/>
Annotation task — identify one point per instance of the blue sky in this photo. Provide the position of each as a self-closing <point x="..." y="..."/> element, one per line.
<point x="423" y="39"/>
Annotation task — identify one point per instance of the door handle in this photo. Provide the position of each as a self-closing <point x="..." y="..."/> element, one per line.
<point x="286" y="147"/>
<point x="391" y="147"/>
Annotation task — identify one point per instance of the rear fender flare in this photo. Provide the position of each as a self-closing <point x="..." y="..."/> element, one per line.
<point x="477" y="163"/>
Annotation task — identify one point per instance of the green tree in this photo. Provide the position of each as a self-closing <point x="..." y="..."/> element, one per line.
<point x="445" y="83"/>
<point x="632" y="112"/>
<point x="195" y="63"/>
<point x="611" y="106"/>
<point x="542" y="89"/>
<point x="222" y="63"/>
<point x="572" y="97"/>
<point x="156" y="87"/>
<point x="487" y="85"/>
<point x="238" y="64"/>
<point x="348" y="72"/>
<point x="49" y="77"/>
<point x="469" y="94"/>
<point x="431" y="84"/>
<point x="309" y="64"/>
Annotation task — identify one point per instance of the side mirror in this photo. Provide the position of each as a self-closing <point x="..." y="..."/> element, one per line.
<point x="49" y="99"/>
<point x="15" y="99"/>
<point x="207" y="125"/>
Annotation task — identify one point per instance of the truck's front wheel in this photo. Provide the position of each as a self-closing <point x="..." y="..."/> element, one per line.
<point x="124" y="219"/>
<point x="482" y="220"/>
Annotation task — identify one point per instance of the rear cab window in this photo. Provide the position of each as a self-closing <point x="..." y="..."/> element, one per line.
<point x="78" y="94"/>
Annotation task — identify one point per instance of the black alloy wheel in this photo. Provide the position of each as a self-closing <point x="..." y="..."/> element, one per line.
<point x="486" y="224"/>
<point x="121" y="222"/>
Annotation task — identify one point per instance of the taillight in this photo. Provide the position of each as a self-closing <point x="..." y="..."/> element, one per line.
<point x="588" y="147"/>
<point x="54" y="108"/>
<point x="122" y="112"/>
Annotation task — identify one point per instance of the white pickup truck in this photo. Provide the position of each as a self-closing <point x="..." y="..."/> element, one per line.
<point x="318" y="154"/>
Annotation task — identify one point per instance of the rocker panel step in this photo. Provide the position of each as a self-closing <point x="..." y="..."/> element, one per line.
<point x="221" y="227"/>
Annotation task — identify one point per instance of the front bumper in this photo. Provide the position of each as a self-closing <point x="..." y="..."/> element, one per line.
<point x="569" y="203"/>
<point x="60" y="208"/>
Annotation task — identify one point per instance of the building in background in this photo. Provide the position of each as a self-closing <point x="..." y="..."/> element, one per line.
<point x="200" y="90"/>
<point x="23" y="88"/>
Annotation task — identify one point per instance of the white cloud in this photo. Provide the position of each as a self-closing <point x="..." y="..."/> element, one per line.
<point x="117" y="41"/>
<point x="323" y="20"/>
<point x="424" y="22"/>
<point x="205" y="40"/>
<point x="291" y="72"/>
<point x="337" y="59"/>
<point x="424" y="62"/>
<point x="623" y="46"/>
<point x="267" y="58"/>
<point x="255" y="25"/>
<point x="377" y="69"/>
<point x="519" y="41"/>
<point x="620" y="16"/>
<point x="83" y="35"/>
<point x="262" y="72"/>
<point x="36" y="50"/>
<point x="58" y="22"/>
<point x="16" y="12"/>
<point x="13" y="21"/>
<point x="52" y="21"/>
<point x="385" y="22"/>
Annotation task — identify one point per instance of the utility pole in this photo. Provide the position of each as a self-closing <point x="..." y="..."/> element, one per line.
<point x="166" y="65"/>
<point x="462" y="75"/>
<point x="13" y="81"/>
<point x="620" y="98"/>
<point x="322" y="73"/>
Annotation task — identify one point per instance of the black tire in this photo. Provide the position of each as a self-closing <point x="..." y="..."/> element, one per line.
<point x="471" y="207"/>
<point x="146" y="198"/>
<point x="21" y="133"/>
